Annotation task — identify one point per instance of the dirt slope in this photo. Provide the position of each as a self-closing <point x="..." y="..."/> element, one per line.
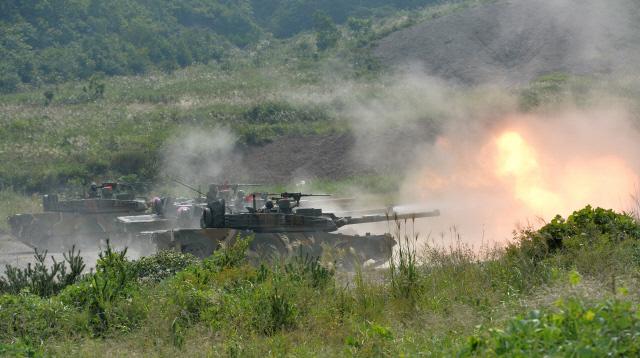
<point x="332" y="156"/>
<point x="293" y="158"/>
<point x="512" y="42"/>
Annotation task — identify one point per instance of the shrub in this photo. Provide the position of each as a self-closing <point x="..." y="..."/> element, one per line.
<point x="193" y="291"/>
<point x="371" y="340"/>
<point x="162" y="265"/>
<point x="232" y="255"/>
<point x="112" y="280"/>
<point x="282" y="112"/>
<point x="587" y="227"/>
<point x="42" y="280"/>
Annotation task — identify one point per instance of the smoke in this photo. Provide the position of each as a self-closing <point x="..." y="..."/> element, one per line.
<point x="471" y="152"/>
<point x="199" y="156"/>
<point x="522" y="167"/>
<point x="487" y="165"/>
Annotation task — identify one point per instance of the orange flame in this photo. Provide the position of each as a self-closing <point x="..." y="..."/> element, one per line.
<point x="604" y="181"/>
<point x="517" y="162"/>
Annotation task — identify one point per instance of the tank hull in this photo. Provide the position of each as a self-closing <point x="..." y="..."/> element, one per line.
<point x="345" y="250"/>
<point x="59" y="231"/>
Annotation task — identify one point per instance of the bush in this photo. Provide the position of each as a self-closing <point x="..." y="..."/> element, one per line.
<point x="274" y="311"/>
<point x="112" y="280"/>
<point x="611" y="328"/>
<point x="584" y="228"/>
<point x="308" y="269"/>
<point x="42" y="280"/>
<point x="371" y="340"/>
<point x="162" y="265"/>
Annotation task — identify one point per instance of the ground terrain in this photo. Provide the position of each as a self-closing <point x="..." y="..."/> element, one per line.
<point x="282" y="110"/>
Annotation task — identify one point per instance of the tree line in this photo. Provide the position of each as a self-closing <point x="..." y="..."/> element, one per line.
<point x="50" y="41"/>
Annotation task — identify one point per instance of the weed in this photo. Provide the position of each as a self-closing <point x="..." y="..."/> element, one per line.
<point x="299" y="307"/>
<point x="274" y="311"/>
<point x="403" y="267"/>
<point x="308" y="269"/>
<point x="371" y="340"/>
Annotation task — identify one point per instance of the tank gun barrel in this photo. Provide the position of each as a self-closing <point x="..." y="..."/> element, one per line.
<point x="187" y="186"/>
<point x="387" y="217"/>
<point x="297" y="196"/>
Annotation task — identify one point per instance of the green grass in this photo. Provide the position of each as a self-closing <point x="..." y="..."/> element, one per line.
<point x="433" y="301"/>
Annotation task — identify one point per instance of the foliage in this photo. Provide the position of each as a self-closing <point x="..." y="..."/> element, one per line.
<point x="279" y="112"/>
<point x="575" y="328"/>
<point x="29" y="319"/>
<point x="95" y="89"/>
<point x="49" y="41"/>
<point x="403" y="267"/>
<point x="327" y="34"/>
<point x="371" y="340"/>
<point x="553" y="89"/>
<point x="162" y="265"/>
<point x="112" y="280"/>
<point x="42" y="280"/>
<point x="588" y="227"/>
<point x="308" y="269"/>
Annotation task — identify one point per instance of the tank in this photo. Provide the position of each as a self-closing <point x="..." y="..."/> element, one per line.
<point x="84" y="222"/>
<point x="169" y="213"/>
<point x="282" y="228"/>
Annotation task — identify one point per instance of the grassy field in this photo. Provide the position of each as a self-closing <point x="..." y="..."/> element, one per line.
<point x="570" y="288"/>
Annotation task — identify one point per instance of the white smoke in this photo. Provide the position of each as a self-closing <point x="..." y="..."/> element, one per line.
<point x="199" y="156"/>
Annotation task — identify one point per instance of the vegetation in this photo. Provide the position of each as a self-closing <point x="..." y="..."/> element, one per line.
<point x="437" y="301"/>
<point x="61" y="128"/>
<point x="41" y="280"/>
<point x="54" y="41"/>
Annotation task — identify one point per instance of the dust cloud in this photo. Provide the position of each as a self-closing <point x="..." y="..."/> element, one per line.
<point x="198" y="157"/>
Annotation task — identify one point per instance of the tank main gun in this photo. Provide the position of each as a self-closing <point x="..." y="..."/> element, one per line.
<point x="187" y="186"/>
<point x="348" y="220"/>
<point x="295" y="196"/>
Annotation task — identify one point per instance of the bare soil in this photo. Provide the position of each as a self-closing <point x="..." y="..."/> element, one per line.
<point x="513" y="42"/>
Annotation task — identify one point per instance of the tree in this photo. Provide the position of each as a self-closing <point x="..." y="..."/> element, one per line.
<point x="327" y="34"/>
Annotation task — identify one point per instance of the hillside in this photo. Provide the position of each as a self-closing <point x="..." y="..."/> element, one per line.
<point x="513" y="42"/>
<point x="108" y="126"/>
<point x="61" y="40"/>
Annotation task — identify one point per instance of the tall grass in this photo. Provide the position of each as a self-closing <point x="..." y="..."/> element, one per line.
<point x="432" y="300"/>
